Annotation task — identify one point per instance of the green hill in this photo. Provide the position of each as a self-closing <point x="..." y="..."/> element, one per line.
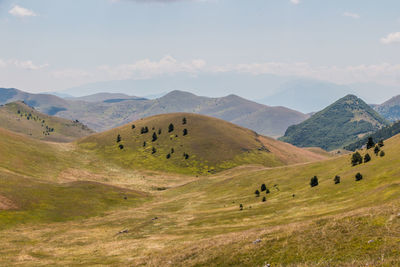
<point x="200" y="145"/>
<point x="19" y="117"/>
<point x="339" y="124"/>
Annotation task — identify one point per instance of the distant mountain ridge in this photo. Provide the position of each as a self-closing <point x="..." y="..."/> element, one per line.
<point x="390" y="109"/>
<point x="104" y="115"/>
<point x="339" y="124"/>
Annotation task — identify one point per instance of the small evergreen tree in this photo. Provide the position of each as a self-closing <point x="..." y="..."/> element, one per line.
<point x="118" y="138"/>
<point x="376" y="150"/>
<point x="172" y="150"/>
<point x="264" y="199"/>
<point x="153" y="150"/>
<point x="367" y="158"/>
<point x="241" y="206"/>
<point x="185" y="132"/>
<point x="121" y="146"/>
<point x="257" y="193"/>
<point x="267" y="191"/>
<point x="370" y="143"/>
<point x="144" y="144"/>
<point x="337" y="179"/>
<point x="154" y="137"/>
<point x="356" y="159"/>
<point x="314" y="181"/>
<point x="382" y="154"/>
<point x="159" y="131"/>
<point x="380" y="143"/>
<point x="359" y="177"/>
<point x="170" y="127"/>
<point x="168" y="156"/>
<point x="263" y="188"/>
<point x="184" y="121"/>
<point x="133" y="126"/>
<point x="185" y="155"/>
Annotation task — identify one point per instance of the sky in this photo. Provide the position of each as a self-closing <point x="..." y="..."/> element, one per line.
<point x="52" y="45"/>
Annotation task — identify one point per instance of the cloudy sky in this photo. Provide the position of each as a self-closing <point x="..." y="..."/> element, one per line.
<point x="49" y="45"/>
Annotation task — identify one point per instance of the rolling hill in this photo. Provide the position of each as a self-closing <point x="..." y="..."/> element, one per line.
<point x="102" y="112"/>
<point x="390" y="110"/>
<point x="193" y="144"/>
<point x="339" y="124"/>
<point x="21" y="118"/>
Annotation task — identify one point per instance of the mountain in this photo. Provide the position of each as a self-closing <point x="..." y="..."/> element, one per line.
<point x="271" y="121"/>
<point x="195" y="144"/>
<point x="21" y="118"/>
<point x="339" y="124"/>
<point x="382" y="134"/>
<point x="106" y="97"/>
<point x="390" y="109"/>
<point x="307" y="95"/>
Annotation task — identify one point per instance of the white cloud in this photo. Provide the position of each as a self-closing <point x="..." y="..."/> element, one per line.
<point x="295" y="2"/>
<point x="28" y="65"/>
<point x="146" y="68"/>
<point x="391" y="38"/>
<point x="351" y="15"/>
<point x="18" y="11"/>
<point x="2" y="63"/>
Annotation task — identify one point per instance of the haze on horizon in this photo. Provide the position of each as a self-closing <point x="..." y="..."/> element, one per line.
<point x="55" y="45"/>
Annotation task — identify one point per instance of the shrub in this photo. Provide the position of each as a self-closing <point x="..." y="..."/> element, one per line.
<point x="118" y="138"/>
<point x="337" y="179"/>
<point x="376" y="150"/>
<point x="170" y="128"/>
<point x="154" y="137"/>
<point x="356" y="159"/>
<point x="264" y="199"/>
<point x="359" y="177"/>
<point x="382" y="154"/>
<point x="257" y="193"/>
<point x="184" y="121"/>
<point x="133" y="126"/>
<point x="168" y="156"/>
<point x="153" y="150"/>
<point x="121" y="146"/>
<point x="144" y="130"/>
<point x="367" y="158"/>
<point x="370" y="143"/>
<point x="267" y="191"/>
<point x="263" y="188"/>
<point x="314" y="181"/>
<point x="144" y="144"/>
<point x="159" y="131"/>
<point x="185" y="155"/>
<point x="185" y="132"/>
<point x="241" y="206"/>
<point x="172" y="150"/>
<point x="381" y="144"/>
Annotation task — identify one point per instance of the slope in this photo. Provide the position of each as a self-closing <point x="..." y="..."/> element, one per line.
<point x="196" y="144"/>
<point x="336" y="126"/>
<point x="19" y="117"/>
<point x="390" y="110"/>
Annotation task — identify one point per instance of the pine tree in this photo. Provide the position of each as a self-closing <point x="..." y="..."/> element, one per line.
<point x="337" y="179"/>
<point x="118" y="138"/>
<point x="185" y="132"/>
<point x="367" y="158"/>
<point x="133" y="126"/>
<point x="153" y="150"/>
<point x="184" y="121"/>
<point x="382" y="154"/>
<point x="376" y="150"/>
<point x="170" y="128"/>
<point x="257" y="193"/>
<point x="370" y="143"/>
<point x="359" y="177"/>
<point x="264" y="199"/>
<point x="263" y="188"/>
<point x="356" y="159"/>
<point x="314" y="181"/>
<point x="154" y="137"/>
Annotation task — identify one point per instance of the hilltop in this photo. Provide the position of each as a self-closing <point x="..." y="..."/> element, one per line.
<point x="21" y="118"/>
<point x="339" y="124"/>
<point x="190" y="143"/>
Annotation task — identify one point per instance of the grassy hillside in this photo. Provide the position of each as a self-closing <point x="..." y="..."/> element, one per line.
<point x="340" y="124"/>
<point x="209" y="145"/>
<point x="19" y="117"/>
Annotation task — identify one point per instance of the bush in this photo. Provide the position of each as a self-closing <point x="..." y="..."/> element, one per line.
<point x="376" y="150"/>
<point x="263" y="188"/>
<point x="359" y="177"/>
<point x="381" y="144"/>
<point x="267" y="191"/>
<point x="144" y="130"/>
<point x="172" y="150"/>
<point x="356" y="159"/>
<point x="337" y="179"/>
<point x="186" y="156"/>
<point x="185" y="132"/>
<point x="159" y="131"/>
<point x="241" y="206"/>
<point x="133" y="126"/>
<point x="257" y="193"/>
<point x="170" y="128"/>
<point x="367" y="158"/>
<point x="168" y="156"/>
<point x="382" y="154"/>
<point x="144" y="144"/>
<point x="118" y="138"/>
<point x="264" y="199"/>
<point x="184" y="121"/>
<point x="154" y="137"/>
<point x="370" y="143"/>
<point x="314" y="181"/>
<point x="153" y="150"/>
<point x="121" y="146"/>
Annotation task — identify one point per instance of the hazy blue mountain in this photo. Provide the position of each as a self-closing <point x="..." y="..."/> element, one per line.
<point x="390" y="109"/>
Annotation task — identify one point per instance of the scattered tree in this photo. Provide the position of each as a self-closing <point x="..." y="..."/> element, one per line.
<point x="376" y="150"/>
<point x="382" y="154"/>
<point x="185" y="132"/>
<point x="168" y="156"/>
<point x="170" y="128"/>
<point x="263" y="188"/>
<point x="380" y="143"/>
<point x="154" y="137"/>
<point x="359" y="177"/>
<point x="159" y="131"/>
<point x="118" y="138"/>
<point x="264" y="199"/>
<point x="144" y="130"/>
<point x="370" y="143"/>
<point x="133" y="126"/>
<point x="356" y="159"/>
<point x="257" y="193"/>
<point x="314" y="181"/>
<point x="184" y="121"/>
<point x="337" y="179"/>
<point x="367" y="158"/>
<point x="153" y="150"/>
<point x="185" y="155"/>
<point x="172" y="150"/>
<point x="144" y="144"/>
<point x="267" y="191"/>
<point x="121" y="146"/>
<point x="241" y="206"/>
